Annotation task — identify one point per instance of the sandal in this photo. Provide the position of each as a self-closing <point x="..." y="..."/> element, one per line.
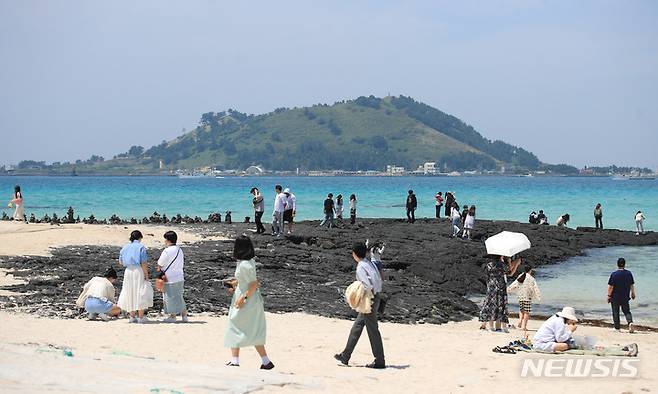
<point x="503" y="350"/>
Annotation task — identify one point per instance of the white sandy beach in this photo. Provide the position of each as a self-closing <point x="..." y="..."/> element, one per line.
<point x="181" y="358"/>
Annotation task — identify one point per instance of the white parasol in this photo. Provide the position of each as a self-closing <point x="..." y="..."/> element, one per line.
<point x="507" y="243"/>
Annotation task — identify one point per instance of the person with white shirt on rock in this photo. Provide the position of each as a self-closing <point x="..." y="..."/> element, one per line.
<point x="277" y="214"/>
<point x="290" y="209"/>
<point x="171" y="263"/>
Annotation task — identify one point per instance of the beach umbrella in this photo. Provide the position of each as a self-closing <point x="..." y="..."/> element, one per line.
<point x="507" y="243"/>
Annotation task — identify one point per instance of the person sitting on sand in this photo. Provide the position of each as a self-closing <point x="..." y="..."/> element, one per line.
<point x="97" y="296"/>
<point x="135" y="291"/>
<point x="367" y="273"/>
<point x="494" y="308"/>
<point x="246" y="316"/>
<point x="171" y="263"/>
<point x="563" y="220"/>
<point x="556" y="334"/>
<point x="469" y="222"/>
<point x="639" y="222"/>
<point x="527" y="291"/>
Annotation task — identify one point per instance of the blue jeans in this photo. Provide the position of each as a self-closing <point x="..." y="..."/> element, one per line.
<point x="94" y="306"/>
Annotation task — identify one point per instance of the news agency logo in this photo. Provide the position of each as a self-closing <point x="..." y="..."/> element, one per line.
<point x="580" y="368"/>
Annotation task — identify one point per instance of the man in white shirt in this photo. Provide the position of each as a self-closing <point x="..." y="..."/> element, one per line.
<point x="290" y="209"/>
<point x="368" y="274"/>
<point x="277" y="215"/>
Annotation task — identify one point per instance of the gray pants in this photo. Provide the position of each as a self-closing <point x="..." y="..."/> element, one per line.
<point x="277" y="222"/>
<point x="370" y="322"/>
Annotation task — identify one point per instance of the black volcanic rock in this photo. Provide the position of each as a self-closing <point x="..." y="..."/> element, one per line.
<point x="427" y="273"/>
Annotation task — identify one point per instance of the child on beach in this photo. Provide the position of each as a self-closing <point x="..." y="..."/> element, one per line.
<point x="352" y="209"/>
<point x="469" y="222"/>
<point x="639" y="222"/>
<point x="527" y="291"/>
<point x="455" y="216"/>
<point x="97" y="296"/>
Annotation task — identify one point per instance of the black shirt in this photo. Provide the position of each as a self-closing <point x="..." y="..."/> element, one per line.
<point x="329" y="206"/>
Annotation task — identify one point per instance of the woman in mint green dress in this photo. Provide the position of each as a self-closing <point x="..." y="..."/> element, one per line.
<point x="246" y="316"/>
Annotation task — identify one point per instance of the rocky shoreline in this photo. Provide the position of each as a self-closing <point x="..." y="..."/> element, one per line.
<point x="427" y="272"/>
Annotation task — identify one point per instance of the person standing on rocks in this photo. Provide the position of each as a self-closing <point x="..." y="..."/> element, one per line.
<point x="455" y="217"/>
<point x="134" y="295"/>
<point x="246" y="316"/>
<point x="439" y="204"/>
<point x="329" y="210"/>
<point x="411" y="205"/>
<point x="171" y="263"/>
<point x="98" y="296"/>
<point x="469" y="223"/>
<point x="339" y="207"/>
<point x="598" y="216"/>
<point x="290" y="209"/>
<point x="450" y="198"/>
<point x="259" y="208"/>
<point x="621" y="288"/>
<point x="639" y="222"/>
<point x="368" y="274"/>
<point x="353" y="209"/>
<point x="277" y="214"/>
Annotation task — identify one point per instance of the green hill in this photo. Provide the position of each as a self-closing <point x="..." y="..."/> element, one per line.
<point x="363" y="134"/>
<point x="367" y="133"/>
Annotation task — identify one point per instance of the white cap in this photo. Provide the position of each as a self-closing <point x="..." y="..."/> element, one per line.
<point x="286" y="191"/>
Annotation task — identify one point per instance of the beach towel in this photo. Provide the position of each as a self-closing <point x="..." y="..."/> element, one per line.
<point x="525" y="345"/>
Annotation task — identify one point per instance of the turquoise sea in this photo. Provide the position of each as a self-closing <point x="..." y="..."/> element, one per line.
<point x="580" y="282"/>
<point x="495" y="197"/>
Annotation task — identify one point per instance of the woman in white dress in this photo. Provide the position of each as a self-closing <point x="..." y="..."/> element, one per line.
<point x="136" y="292"/>
<point x="19" y="212"/>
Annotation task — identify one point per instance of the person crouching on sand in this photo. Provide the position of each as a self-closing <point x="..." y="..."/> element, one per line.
<point x="136" y="292"/>
<point x="171" y="263"/>
<point x="246" y="316"/>
<point x="556" y="334"/>
<point x="368" y="274"/>
<point x="527" y="291"/>
<point x="97" y="297"/>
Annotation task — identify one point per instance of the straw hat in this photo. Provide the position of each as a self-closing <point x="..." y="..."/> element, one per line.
<point x="568" y="313"/>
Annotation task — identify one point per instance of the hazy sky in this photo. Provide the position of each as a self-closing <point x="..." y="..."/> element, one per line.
<point x="572" y="81"/>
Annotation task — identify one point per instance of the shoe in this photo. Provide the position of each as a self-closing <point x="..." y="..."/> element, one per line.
<point x="143" y="320"/>
<point x="633" y="350"/>
<point x="231" y="364"/>
<point x="341" y="359"/>
<point x="631" y="328"/>
<point x="267" y="366"/>
<point x="132" y="320"/>
<point x="104" y="317"/>
<point x="185" y="319"/>
<point x="376" y="366"/>
<point x="169" y="320"/>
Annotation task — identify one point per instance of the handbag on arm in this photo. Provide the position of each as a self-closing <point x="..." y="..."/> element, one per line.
<point x="162" y="277"/>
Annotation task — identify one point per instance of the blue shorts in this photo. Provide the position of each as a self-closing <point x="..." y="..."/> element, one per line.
<point x="95" y="305"/>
